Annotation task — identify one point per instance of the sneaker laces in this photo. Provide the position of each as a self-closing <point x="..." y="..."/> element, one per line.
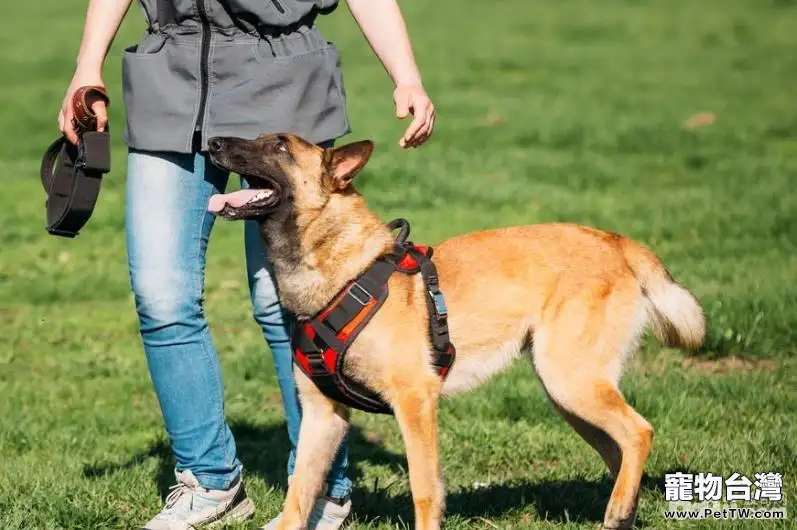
<point x="186" y="485"/>
<point x="177" y="491"/>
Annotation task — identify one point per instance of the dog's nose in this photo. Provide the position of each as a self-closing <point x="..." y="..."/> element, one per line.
<point x="215" y="144"/>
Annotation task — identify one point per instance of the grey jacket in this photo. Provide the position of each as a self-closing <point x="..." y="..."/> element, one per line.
<point x="243" y="68"/>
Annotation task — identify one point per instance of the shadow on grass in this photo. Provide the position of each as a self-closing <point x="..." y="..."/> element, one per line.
<point x="574" y="500"/>
<point x="263" y="450"/>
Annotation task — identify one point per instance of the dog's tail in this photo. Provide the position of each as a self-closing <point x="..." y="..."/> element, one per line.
<point x="674" y="314"/>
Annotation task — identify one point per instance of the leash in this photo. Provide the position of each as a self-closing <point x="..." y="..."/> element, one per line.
<point x="72" y="174"/>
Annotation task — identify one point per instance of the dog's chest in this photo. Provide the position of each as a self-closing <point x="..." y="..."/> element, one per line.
<point x="305" y="292"/>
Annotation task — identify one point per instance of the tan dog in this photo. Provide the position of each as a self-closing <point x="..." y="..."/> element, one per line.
<point x="575" y="300"/>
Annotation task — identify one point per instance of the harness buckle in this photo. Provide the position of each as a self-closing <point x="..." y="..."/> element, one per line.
<point x="439" y="304"/>
<point x="364" y="297"/>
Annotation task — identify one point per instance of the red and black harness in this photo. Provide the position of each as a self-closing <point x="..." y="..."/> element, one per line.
<point x="320" y="344"/>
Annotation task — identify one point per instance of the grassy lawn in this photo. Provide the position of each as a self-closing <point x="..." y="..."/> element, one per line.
<point x="548" y="111"/>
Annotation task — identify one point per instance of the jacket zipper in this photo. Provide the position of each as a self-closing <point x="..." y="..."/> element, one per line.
<point x="278" y="5"/>
<point x="203" y="63"/>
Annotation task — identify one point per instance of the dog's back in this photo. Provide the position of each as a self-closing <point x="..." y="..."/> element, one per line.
<point x="577" y="299"/>
<point x="510" y="287"/>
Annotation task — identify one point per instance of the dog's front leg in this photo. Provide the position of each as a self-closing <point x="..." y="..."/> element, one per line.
<point x="324" y="425"/>
<point x="415" y="407"/>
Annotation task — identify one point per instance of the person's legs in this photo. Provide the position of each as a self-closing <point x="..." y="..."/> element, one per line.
<point x="275" y="322"/>
<point x="168" y="227"/>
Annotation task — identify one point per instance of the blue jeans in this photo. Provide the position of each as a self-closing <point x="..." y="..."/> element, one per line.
<point x="167" y="229"/>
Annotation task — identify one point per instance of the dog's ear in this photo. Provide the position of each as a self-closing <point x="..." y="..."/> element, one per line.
<point x="344" y="162"/>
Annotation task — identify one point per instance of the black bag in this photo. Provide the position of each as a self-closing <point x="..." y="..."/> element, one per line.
<point x="72" y="175"/>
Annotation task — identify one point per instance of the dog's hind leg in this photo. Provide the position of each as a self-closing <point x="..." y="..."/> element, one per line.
<point x="597" y="411"/>
<point x="599" y="440"/>
<point x="324" y="425"/>
<point x="415" y="406"/>
<point x="578" y="359"/>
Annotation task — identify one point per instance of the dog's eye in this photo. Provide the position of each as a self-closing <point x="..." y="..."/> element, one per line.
<point x="282" y="148"/>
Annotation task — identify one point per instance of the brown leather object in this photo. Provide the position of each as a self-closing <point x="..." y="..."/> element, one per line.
<point x="84" y="118"/>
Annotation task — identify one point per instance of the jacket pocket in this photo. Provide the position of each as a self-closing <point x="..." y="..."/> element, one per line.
<point x="300" y="94"/>
<point x="150" y="44"/>
<point x="160" y="96"/>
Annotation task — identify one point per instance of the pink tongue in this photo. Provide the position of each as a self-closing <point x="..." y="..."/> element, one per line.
<point x="235" y="199"/>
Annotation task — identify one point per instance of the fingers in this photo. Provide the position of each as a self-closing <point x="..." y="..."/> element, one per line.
<point x="66" y="126"/>
<point x="419" y="110"/>
<point x="426" y="130"/>
<point x="66" y="123"/>
<point x="402" y="100"/>
<point x="412" y="99"/>
<point x="101" y="111"/>
<point x="421" y="127"/>
<point x="97" y="104"/>
<point x="416" y="125"/>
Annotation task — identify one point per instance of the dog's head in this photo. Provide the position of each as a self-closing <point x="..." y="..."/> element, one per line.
<point x="283" y="173"/>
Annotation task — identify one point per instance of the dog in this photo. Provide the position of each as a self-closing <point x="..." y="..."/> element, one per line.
<point x="574" y="299"/>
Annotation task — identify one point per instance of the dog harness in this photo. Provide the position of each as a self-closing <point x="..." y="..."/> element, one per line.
<point x="71" y="175"/>
<point x="320" y="343"/>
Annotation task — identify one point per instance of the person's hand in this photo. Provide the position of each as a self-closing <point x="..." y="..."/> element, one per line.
<point x="412" y="99"/>
<point x="65" y="124"/>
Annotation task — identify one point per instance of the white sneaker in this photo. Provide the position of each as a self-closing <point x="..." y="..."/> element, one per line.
<point x="190" y="506"/>
<point x="327" y="514"/>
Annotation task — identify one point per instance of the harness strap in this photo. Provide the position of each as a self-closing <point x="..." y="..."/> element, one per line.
<point x="337" y="327"/>
<point x="320" y="344"/>
<point x="444" y="350"/>
<point x="319" y="350"/>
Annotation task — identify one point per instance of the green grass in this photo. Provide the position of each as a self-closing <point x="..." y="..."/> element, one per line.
<point x="548" y="111"/>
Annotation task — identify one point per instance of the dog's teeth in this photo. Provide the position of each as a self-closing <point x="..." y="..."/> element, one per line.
<point x="260" y="195"/>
